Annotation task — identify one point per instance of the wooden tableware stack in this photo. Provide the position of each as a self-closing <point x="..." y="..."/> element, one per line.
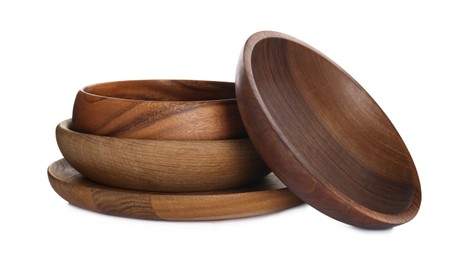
<point x="177" y="147"/>
<point x="293" y="112"/>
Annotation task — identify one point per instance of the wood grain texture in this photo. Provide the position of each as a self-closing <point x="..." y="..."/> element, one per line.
<point x="161" y="165"/>
<point x="268" y="196"/>
<point x="159" y="109"/>
<point x="323" y="135"/>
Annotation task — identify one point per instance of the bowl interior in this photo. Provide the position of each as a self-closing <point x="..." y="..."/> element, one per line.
<point x="164" y="90"/>
<point x="334" y="128"/>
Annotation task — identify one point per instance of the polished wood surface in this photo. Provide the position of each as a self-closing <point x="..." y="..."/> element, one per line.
<point x="323" y="135"/>
<point x="159" y="109"/>
<point x="161" y="165"/>
<point x="268" y="196"/>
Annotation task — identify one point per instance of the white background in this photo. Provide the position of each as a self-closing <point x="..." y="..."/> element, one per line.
<point x="406" y="54"/>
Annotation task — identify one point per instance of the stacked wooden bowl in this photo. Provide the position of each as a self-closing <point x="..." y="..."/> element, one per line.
<point x="181" y="144"/>
<point x="192" y="150"/>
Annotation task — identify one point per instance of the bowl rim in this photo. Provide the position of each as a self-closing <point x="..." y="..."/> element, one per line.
<point x="66" y="125"/>
<point x="85" y="91"/>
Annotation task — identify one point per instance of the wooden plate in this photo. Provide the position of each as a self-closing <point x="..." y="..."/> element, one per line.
<point x="322" y="134"/>
<point x="268" y="196"/>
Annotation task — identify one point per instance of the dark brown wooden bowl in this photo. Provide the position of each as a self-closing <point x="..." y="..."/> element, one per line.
<point x="161" y="165"/>
<point x="159" y="109"/>
<point x="323" y="135"/>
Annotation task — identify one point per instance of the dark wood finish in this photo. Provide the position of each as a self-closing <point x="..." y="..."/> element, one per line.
<point x="159" y="109"/>
<point x="161" y="165"/>
<point x="323" y="135"/>
<point x="268" y="196"/>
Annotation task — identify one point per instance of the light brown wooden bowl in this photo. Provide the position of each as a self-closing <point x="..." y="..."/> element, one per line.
<point x="266" y="196"/>
<point x="159" y="109"/>
<point x="323" y="135"/>
<point x="161" y="165"/>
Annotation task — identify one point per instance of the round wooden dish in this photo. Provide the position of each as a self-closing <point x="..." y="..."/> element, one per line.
<point x="161" y="165"/>
<point x="323" y="135"/>
<point x="267" y="196"/>
<point x="159" y="109"/>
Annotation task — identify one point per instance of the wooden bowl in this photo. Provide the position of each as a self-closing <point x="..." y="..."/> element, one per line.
<point x="161" y="165"/>
<point x="323" y="135"/>
<point x="159" y="109"/>
<point x="266" y="196"/>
